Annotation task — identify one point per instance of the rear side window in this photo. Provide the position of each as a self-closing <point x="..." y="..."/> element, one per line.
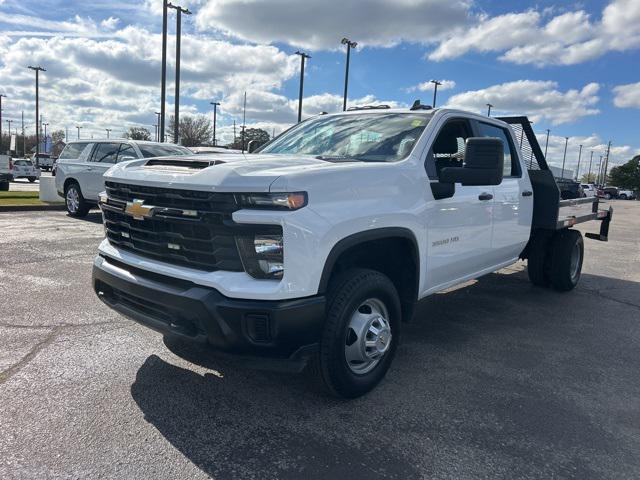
<point x="150" y="150"/>
<point x="105" y="152"/>
<point x="511" y="165"/>
<point x="72" y="150"/>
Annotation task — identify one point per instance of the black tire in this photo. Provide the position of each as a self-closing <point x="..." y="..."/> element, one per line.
<point x="31" y="179"/>
<point x="565" y="269"/>
<point x="348" y="293"/>
<point x="4" y="186"/>
<point x="623" y="196"/>
<point x="538" y="261"/>
<point x="82" y="208"/>
<point x="607" y="196"/>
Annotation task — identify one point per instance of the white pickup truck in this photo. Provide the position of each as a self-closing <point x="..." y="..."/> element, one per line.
<point x="316" y="248"/>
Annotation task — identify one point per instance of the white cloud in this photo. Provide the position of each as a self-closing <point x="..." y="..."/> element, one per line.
<point x="537" y="99"/>
<point x="627" y="96"/>
<point x="532" y="38"/>
<point x="428" y="86"/>
<point x="317" y="24"/>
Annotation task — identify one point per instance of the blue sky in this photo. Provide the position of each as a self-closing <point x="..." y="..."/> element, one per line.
<point x="573" y="67"/>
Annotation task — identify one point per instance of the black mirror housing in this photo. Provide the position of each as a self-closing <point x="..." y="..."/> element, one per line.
<point x="483" y="163"/>
<point x="253" y="146"/>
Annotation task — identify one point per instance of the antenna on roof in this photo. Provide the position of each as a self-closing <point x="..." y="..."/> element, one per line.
<point x="418" y="106"/>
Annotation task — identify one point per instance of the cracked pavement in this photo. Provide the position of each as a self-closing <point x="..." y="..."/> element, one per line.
<point x="495" y="380"/>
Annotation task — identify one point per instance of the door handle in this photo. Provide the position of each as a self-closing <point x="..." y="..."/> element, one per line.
<point x="527" y="193"/>
<point x="485" y="196"/>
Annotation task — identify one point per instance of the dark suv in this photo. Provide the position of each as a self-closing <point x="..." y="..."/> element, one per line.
<point x="569" y="189"/>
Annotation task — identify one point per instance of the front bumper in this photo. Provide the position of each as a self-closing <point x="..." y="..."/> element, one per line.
<point x="279" y="330"/>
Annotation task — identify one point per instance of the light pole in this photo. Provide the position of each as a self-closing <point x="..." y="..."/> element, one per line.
<point x="215" y="119"/>
<point x="578" y="167"/>
<point x="489" y="109"/>
<point x="546" y="145"/>
<point x="303" y="57"/>
<point x="78" y="127"/>
<point x="1" y="97"/>
<point x="45" y="125"/>
<point x="37" y="69"/>
<point x="108" y="130"/>
<point x="163" y="81"/>
<point x="350" y="45"/>
<point x="564" y="158"/>
<point x="158" y="137"/>
<point x="589" y="174"/>
<point x="606" y="164"/>
<point x="435" y="91"/>
<point x="599" y="178"/>
<point x="9" y="122"/>
<point x="176" y="127"/>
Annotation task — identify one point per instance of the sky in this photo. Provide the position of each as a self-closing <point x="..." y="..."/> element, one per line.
<point x="572" y="67"/>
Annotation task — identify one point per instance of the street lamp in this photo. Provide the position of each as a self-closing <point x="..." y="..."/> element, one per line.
<point x="564" y="158"/>
<point x="158" y="129"/>
<point x="435" y="91"/>
<point x="578" y="167"/>
<point x="546" y="145"/>
<point x="589" y="174"/>
<point x="78" y="127"/>
<point x="37" y="69"/>
<point x="350" y="45"/>
<point x="303" y="57"/>
<point x="1" y="96"/>
<point x="215" y="120"/>
<point x="176" y="127"/>
<point x="163" y="81"/>
<point x="489" y="109"/>
<point x="9" y="122"/>
<point x="108" y="130"/>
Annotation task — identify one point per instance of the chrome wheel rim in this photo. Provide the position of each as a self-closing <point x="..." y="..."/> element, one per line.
<point x="73" y="200"/>
<point x="368" y="336"/>
<point x="575" y="261"/>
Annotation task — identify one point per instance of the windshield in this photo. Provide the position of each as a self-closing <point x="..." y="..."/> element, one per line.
<point x="163" y="150"/>
<point x="369" y="137"/>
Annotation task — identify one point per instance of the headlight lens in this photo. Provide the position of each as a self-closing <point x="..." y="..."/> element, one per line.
<point x="273" y="201"/>
<point x="262" y="255"/>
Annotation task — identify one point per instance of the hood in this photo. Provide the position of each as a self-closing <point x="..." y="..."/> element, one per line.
<point x="222" y="172"/>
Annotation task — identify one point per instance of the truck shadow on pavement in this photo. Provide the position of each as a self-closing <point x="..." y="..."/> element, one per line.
<point x="496" y="377"/>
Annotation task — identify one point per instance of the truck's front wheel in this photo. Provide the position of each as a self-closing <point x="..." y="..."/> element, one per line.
<point x="360" y="334"/>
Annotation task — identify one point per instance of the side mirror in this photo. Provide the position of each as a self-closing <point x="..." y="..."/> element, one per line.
<point x="126" y="158"/>
<point x="483" y="163"/>
<point x="253" y="146"/>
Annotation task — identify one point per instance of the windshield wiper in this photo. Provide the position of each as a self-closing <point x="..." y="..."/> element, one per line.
<point x="337" y="158"/>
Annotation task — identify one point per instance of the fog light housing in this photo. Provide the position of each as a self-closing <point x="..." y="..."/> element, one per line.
<point x="262" y="255"/>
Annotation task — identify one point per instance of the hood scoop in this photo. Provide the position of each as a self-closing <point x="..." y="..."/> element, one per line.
<point x="181" y="166"/>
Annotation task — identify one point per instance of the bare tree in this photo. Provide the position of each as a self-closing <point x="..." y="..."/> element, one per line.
<point x="194" y="130"/>
<point x="138" y="133"/>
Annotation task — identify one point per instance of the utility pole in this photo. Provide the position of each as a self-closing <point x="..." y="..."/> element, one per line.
<point x="606" y="164"/>
<point x="215" y="119"/>
<point x="155" y="132"/>
<point x="599" y="178"/>
<point x="163" y="81"/>
<point x="24" y="142"/>
<point x="37" y="69"/>
<point x="234" y="131"/>
<point x="244" y="120"/>
<point x="176" y="126"/>
<point x="1" y="97"/>
<point x="108" y="130"/>
<point x="578" y="167"/>
<point x="78" y="127"/>
<point x="435" y="91"/>
<point x="9" y="122"/>
<point x="489" y="109"/>
<point x="350" y="45"/>
<point x="546" y="145"/>
<point x="564" y="158"/>
<point x="589" y="174"/>
<point x="303" y="57"/>
<point x="158" y="131"/>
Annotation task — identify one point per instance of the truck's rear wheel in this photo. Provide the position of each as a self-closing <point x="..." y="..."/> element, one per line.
<point x="567" y="253"/>
<point x="75" y="202"/>
<point x="360" y="334"/>
<point x="538" y="261"/>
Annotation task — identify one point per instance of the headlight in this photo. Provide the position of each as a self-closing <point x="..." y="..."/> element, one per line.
<point x="262" y="255"/>
<point x="273" y="201"/>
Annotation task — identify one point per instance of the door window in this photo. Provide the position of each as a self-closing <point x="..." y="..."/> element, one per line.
<point x="72" y="150"/>
<point x="511" y="165"/>
<point x="126" y="152"/>
<point x="448" y="148"/>
<point x="105" y="152"/>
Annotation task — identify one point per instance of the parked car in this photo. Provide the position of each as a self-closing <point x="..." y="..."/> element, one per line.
<point x="24" y="168"/>
<point x="569" y="189"/>
<point x="5" y="172"/>
<point x="82" y="163"/>
<point x="317" y="248"/>
<point x="44" y="161"/>
<point x="626" y="194"/>
<point x="608" y="192"/>
<point x="589" y="189"/>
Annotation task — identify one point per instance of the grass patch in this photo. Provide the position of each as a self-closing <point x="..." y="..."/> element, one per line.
<point x="20" y="198"/>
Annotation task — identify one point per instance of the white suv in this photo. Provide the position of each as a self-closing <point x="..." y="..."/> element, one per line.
<point x="82" y="164"/>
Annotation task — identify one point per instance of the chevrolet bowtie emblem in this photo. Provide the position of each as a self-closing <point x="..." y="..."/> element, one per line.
<point x="138" y="210"/>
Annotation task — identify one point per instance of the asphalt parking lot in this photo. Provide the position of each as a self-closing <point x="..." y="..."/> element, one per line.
<point x="496" y="380"/>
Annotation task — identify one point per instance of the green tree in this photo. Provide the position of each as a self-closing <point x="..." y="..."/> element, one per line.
<point x="57" y="136"/>
<point x="627" y="175"/>
<point x="194" y="131"/>
<point x="259" y="135"/>
<point x="138" y="133"/>
<point x="588" y="178"/>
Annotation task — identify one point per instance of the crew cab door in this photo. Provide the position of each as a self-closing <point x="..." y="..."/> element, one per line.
<point x="458" y="226"/>
<point x="104" y="156"/>
<point x="513" y="199"/>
